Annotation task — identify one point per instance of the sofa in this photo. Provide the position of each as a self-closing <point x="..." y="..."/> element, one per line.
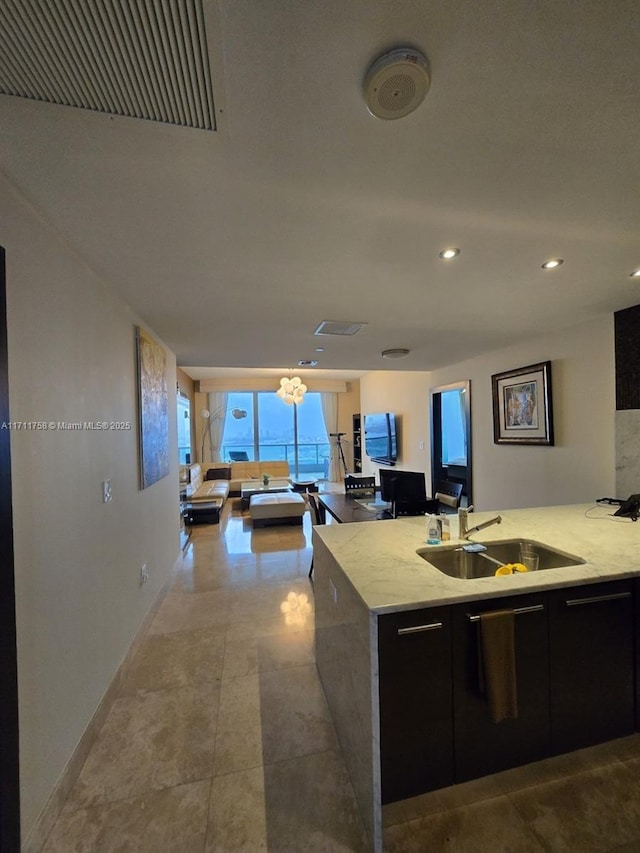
<point x="211" y="480"/>
<point x="199" y="490"/>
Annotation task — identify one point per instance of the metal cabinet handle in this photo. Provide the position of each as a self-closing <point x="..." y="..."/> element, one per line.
<point x="575" y="602"/>
<point x="417" y="629"/>
<point x="517" y="611"/>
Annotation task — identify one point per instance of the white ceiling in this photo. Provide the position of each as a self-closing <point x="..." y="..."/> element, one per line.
<point x="234" y="245"/>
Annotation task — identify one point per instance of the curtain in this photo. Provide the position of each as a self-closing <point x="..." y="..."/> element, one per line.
<point x="329" y="401"/>
<point x="218" y="408"/>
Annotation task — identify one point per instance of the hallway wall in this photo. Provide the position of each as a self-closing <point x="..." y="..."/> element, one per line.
<point x="79" y="601"/>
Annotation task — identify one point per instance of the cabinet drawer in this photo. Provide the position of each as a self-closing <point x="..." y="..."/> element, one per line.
<point x="483" y="746"/>
<point x="591" y="664"/>
<point x="416" y="730"/>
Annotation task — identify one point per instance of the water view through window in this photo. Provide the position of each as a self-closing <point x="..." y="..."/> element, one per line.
<point x="273" y="430"/>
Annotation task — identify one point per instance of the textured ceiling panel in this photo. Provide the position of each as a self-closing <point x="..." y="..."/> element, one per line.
<point x="144" y="59"/>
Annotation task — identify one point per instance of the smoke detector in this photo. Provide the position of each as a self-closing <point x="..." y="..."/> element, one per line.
<point x="396" y="84"/>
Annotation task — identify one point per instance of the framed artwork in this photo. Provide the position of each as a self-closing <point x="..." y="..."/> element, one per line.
<point x="522" y="407"/>
<point x="153" y="409"/>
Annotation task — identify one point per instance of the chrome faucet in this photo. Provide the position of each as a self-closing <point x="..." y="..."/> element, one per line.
<point x="464" y="531"/>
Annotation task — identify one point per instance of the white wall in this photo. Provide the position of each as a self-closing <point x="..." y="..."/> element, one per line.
<point x="77" y="560"/>
<point x="578" y="468"/>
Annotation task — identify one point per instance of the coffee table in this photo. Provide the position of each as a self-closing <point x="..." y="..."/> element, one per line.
<point x="256" y="487"/>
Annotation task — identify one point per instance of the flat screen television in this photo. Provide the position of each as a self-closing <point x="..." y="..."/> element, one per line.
<point x="380" y="438"/>
<point x="406" y="491"/>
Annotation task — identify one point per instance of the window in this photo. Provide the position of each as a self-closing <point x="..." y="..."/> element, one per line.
<point x="273" y="430"/>
<point x="184" y="430"/>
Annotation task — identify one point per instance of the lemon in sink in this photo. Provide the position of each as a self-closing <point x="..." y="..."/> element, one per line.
<point x="510" y="569"/>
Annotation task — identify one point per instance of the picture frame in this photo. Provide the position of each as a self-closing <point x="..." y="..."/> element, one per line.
<point x="153" y="408"/>
<point x="522" y="405"/>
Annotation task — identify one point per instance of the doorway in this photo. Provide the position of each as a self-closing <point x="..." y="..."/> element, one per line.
<point x="450" y="409"/>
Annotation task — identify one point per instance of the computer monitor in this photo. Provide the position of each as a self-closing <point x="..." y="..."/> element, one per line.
<point x="406" y="491"/>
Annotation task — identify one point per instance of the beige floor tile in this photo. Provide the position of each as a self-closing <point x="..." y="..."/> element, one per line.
<point x="170" y="821"/>
<point x="493" y="826"/>
<point x="593" y="811"/>
<point x="310" y="806"/>
<point x="277" y="601"/>
<point x="149" y="741"/>
<point x="271" y="716"/>
<point x="237" y="818"/>
<point x="176" y="660"/>
<point x="296" y="717"/>
<point x="179" y="612"/>
<point x="239" y="728"/>
<point x="279" y="651"/>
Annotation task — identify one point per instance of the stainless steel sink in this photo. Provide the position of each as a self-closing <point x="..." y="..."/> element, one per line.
<point x="457" y="563"/>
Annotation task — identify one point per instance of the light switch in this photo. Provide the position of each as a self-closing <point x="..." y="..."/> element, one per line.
<point x="106" y="491"/>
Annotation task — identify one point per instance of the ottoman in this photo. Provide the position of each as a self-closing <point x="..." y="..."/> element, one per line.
<point x="276" y="508"/>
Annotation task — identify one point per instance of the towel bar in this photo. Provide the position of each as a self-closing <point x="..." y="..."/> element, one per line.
<point x="517" y="611"/>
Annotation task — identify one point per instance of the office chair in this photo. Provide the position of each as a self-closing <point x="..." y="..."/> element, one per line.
<point x="448" y="493"/>
<point x="316" y="518"/>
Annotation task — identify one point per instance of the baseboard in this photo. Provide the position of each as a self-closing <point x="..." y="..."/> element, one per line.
<point x="39" y="832"/>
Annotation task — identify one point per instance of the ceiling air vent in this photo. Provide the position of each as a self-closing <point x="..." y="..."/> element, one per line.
<point x="307" y="363"/>
<point x="144" y="59"/>
<point x="337" y="327"/>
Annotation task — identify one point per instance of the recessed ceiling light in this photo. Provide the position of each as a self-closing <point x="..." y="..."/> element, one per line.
<point x="635" y="273"/>
<point x="449" y="254"/>
<point x="394" y="353"/>
<point x="307" y="362"/>
<point x="552" y="264"/>
<point x="319" y="349"/>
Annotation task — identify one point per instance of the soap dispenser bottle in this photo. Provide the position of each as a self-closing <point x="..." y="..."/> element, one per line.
<point x="434" y="530"/>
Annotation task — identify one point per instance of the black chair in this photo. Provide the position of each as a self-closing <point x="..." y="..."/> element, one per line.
<point x="449" y="494"/>
<point x="238" y="456"/>
<point x="304" y="487"/>
<point x="316" y="518"/>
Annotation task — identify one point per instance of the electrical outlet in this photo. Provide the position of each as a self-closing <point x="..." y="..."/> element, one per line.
<point x="144" y="574"/>
<point x="421" y="445"/>
<point x="106" y="491"/>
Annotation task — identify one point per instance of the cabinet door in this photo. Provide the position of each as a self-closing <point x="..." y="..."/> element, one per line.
<point x="483" y="746"/>
<point x="591" y="657"/>
<point x="416" y="731"/>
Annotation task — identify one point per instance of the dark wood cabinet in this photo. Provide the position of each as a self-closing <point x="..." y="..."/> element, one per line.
<point x="575" y="655"/>
<point x="636" y="622"/>
<point x="591" y="664"/>
<point x="416" y="714"/>
<point x="483" y="746"/>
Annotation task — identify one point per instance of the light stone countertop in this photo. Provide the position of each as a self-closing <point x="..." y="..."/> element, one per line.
<point x="380" y="561"/>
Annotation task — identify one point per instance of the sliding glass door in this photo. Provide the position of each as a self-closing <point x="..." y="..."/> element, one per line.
<point x="273" y="430"/>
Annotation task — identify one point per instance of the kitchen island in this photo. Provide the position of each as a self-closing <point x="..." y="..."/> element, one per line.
<point x="369" y="578"/>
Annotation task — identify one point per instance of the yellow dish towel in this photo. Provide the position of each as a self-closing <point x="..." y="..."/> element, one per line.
<point x="510" y="568"/>
<point x="497" y="664"/>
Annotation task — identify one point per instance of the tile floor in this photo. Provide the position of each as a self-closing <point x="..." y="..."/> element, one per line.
<point x="221" y="738"/>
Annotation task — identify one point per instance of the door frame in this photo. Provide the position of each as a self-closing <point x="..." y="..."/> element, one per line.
<point x="435" y="417"/>
<point x="9" y="746"/>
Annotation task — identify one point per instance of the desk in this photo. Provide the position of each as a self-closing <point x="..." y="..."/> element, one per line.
<point x="346" y="509"/>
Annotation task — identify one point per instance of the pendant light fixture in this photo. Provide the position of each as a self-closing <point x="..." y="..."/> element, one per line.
<point x="292" y="390"/>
